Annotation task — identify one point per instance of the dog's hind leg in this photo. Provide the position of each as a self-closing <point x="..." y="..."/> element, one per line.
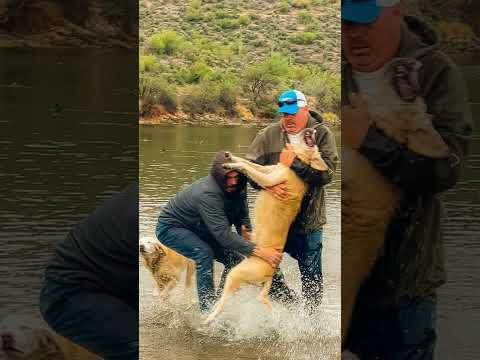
<point x="263" y="296"/>
<point x="231" y="286"/>
<point x="165" y="294"/>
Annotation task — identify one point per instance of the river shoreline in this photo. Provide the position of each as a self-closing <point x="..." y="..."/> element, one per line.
<point x="206" y="120"/>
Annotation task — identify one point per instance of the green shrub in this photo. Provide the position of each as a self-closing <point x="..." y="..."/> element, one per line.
<point x="261" y="78"/>
<point x="301" y="4"/>
<point x="194" y="11"/>
<point x="166" y="42"/>
<point x="211" y="97"/>
<point x="147" y="63"/>
<point x="325" y="88"/>
<point x="227" y="23"/>
<point x="200" y="71"/>
<point x="155" y="91"/>
<point x="220" y="14"/>
<point x="304" y="17"/>
<point x="284" y="6"/>
<point x="201" y="100"/>
<point x="244" y="19"/>
<point x="227" y="96"/>
<point x="303" y="38"/>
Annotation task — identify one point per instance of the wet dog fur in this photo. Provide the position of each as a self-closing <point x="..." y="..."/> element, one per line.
<point x="165" y="265"/>
<point x="23" y="338"/>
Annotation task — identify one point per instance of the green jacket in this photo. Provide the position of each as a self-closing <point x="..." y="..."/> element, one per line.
<point x="265" y="150"/>
<point x="412" y="263"/>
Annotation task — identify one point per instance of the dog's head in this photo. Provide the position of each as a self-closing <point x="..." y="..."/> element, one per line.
<point x="151" y="252"/>
<point x="21" y="339"/>
<point x="307" y="150"/>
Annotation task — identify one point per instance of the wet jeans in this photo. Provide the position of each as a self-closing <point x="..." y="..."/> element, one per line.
<point x="307" y="250"/>
<point x="402" y="332"/>
<point x="104" y="324"/>
<point x="203" y="252"/>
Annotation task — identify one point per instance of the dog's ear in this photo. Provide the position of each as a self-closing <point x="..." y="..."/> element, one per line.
<point x="159" y="250"/>
<point x="48" y="344"/>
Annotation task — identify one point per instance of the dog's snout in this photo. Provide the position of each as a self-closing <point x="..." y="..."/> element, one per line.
<point x="7" y="340"/>
<point x="142" y="248"/>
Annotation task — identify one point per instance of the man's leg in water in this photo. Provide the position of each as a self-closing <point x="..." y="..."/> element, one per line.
<point x="101" y="323"/>
<point x="193" y="247"/>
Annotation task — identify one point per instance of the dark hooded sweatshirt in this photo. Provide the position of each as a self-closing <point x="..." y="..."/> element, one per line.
<point x="101" y="252"/>
<point x="412" y="264"/>
<point x="207" y="210"/>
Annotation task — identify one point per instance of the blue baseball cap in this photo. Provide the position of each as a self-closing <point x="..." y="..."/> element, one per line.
<point x="364" y="11"/>
<point x="290" y="101"/>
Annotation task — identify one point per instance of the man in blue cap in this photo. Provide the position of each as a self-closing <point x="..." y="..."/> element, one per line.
<point x="304" y="241"/>
<point x="395" y="313"/>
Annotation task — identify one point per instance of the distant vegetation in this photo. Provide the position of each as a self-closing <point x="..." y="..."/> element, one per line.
<point x="232" y="58"/>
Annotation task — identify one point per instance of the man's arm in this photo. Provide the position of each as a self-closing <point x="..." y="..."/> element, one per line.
<point x="212" y="212"/>
<point x="244" y="215"/>
<point x="328" y="149"/>
<point x="446" y="101"/>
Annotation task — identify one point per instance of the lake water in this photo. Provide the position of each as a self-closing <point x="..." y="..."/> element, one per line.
<point x="69" y="140"/>
<point x="172" y="157"/>
<point x="459" y="298"/>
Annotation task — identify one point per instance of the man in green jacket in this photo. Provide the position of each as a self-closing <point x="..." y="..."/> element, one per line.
<point x="304" y="242"/>
<point x="395" y="311"/>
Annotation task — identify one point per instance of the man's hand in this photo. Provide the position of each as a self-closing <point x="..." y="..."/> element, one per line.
<point x="279" y="191"/>
<point x="287" y="155"/>
<point x="354" y="122"/>
<point x="245" y="232"/>
<point x="272" y="255"/>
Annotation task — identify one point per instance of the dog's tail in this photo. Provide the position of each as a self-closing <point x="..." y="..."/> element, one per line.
<point x="189" y="275"/>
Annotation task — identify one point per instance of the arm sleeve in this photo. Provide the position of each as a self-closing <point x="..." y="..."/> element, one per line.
<point x="256" y="154"/>
<point x="244" y="215"/>
<point x="414" y="173"/>
<point x="212" y="212"/>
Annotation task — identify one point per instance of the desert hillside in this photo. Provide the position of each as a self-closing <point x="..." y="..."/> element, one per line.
<point x="232" y="58"/>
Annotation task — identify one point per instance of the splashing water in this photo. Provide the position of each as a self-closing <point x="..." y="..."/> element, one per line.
<point x="246" y="328"/>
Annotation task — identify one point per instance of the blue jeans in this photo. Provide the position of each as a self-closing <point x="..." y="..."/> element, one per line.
<point x="307" y="250"/>
<point x="401" y="332"/>
<point x="203" y="252"/>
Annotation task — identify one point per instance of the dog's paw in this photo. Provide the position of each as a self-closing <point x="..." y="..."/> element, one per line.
<point x="229" y="166"/>
<point x="234" y="166"/>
